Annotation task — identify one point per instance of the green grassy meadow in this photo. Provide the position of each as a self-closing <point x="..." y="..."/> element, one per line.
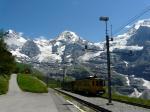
<point x="30" y="83"/>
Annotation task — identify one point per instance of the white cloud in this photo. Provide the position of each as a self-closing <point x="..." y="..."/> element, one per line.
<point x="41" y="38"/>
<point x="20" y="33"/>
<point x="128" y="26"/>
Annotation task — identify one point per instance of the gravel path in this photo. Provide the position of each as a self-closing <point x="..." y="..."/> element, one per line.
<point x="17" y="101"/>
<point x="13" y="86"/>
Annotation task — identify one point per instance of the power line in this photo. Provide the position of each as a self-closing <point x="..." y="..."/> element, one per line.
<point x="147" y="9"/>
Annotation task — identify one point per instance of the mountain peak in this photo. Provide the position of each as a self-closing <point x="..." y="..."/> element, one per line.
<point x="12" y="32"/>
<point x="68" y="36"/>
<point x="14" y="38"/>
<point x="144" y="22"/>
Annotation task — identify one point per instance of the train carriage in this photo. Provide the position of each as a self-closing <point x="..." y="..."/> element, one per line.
<point x="90" y="85"/>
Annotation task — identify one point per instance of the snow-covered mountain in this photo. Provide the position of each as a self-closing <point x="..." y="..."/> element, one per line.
<point x="42" y="50"/>
<point x="69" y="48"/>
<point x="14" y="39"/>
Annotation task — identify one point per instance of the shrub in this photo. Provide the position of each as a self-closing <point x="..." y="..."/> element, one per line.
<point x="3" y="85"/>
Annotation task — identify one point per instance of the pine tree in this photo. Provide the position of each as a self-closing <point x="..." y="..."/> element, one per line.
<point x="7" y="61"/>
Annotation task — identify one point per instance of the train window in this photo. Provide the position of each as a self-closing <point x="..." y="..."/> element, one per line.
<point x="97" y="83"/>
<point x="93" y="83"/>
<point x="101" y="83"/>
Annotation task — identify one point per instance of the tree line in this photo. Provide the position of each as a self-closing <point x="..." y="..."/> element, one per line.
<point x="7" y="61"/>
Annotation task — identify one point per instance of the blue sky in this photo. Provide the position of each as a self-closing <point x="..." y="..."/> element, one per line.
<point x="49" y="18"/>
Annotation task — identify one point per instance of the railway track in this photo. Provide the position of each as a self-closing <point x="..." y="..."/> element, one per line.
<point x="99" y="104"/>
<point x="92" y="106"/>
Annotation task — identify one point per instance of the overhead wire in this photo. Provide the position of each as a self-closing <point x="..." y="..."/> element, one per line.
<point x="147" y="9"/>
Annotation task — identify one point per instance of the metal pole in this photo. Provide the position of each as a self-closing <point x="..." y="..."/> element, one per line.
<point x="108" y="62"/>
<point x="64" y="69"/>
<point x="108" y="69"/>
<point x="47" y="79"/>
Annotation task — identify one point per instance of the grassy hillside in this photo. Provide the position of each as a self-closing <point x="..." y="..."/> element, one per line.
<point x="31" y="84"/>
<point x="3" y="85"/>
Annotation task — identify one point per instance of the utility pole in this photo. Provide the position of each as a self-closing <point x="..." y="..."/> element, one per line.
<point x="105" y="19"/>
<point x="64" y="67"/>
<point x="47" y="79"/>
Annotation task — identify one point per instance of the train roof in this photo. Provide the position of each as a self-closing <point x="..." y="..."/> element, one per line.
<point x="90" y="77"/>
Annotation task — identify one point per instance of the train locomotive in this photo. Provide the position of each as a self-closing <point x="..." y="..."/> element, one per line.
<point x="89" y="85"/>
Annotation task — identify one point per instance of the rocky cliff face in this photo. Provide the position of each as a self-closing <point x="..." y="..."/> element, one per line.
<point x="30" y="49"/>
